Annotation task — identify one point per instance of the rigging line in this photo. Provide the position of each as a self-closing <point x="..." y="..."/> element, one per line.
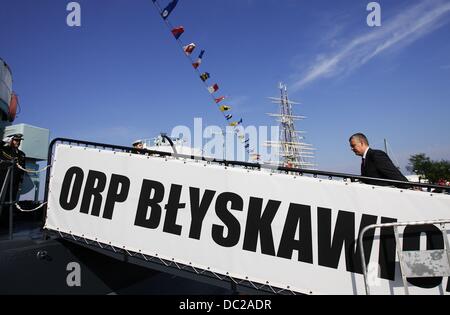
<point x="181" y="45"/>
<point x="32" y="171"/>
<point x="30" y="210"/>
<point x="392" y="154"/>
<point x="191" y="61"/>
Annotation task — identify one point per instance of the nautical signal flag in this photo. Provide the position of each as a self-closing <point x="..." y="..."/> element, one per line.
<point x="256" y="157"/>
<point x="197" y="63"/>
<point x="166" y="12"/>
<point x="213" y="89"/>
<point x="204" y="76"/>
<point x="236" y="123"/>
<point x="188" y="49"/>
<point x="220" y="99"/>
<point x="178" y="31"/>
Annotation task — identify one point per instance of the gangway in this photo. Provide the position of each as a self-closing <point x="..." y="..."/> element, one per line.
<point x="245" y="226"/>
<point x="229" y="221"/>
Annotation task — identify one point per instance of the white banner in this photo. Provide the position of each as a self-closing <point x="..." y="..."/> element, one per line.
<point x="291" y="232"/>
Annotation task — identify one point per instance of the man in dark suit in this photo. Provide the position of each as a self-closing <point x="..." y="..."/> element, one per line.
<point x="375" y="163"/>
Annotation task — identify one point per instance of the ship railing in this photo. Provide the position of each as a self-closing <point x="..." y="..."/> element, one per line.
<point x="10" y="198"/>
<point x="413" y="263"/>
<point x="8" y="181"/>
<point x="248" y="165"/>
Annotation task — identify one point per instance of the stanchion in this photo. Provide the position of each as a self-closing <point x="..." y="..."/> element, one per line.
<point x="3" y="191"/>
<point x="11" y="184"/>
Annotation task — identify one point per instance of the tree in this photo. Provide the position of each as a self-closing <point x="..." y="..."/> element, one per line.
<point x="419" y="164"/>
<point x="434" y="171"/>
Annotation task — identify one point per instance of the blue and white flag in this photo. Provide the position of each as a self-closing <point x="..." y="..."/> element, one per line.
<point x="166" y="12"/>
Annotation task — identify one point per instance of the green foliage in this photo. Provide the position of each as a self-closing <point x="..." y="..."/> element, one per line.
<point x="434" y="171"/>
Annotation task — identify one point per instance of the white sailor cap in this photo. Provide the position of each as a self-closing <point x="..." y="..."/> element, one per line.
<point x="138" y="142"/>
<point x="17" y="136"/>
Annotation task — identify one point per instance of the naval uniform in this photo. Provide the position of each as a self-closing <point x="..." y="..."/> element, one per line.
<point x="9" y="154"/>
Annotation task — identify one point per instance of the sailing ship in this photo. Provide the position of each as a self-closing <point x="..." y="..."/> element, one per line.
<point x="291" y="149"/>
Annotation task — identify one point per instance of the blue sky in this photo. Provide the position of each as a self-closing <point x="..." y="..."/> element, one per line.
<point x="121" y="75"/>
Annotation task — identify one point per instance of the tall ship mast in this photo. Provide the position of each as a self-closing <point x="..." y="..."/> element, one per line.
<point x="292" y="151"/>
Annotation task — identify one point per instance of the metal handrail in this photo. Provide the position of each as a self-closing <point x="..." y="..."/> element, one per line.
<point x="384" y="225"/>
<point x="163" y="135"/>
<point x="9" y="177"/>
<point x="246" y="164"/>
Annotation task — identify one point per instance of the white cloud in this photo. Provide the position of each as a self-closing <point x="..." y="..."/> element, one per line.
<point x="403" y="29"/>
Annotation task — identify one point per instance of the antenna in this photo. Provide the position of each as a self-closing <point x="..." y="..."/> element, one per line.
<point x="392" y="155"/>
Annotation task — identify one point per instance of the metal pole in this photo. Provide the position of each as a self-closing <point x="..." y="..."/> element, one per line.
<point x="363" y="257"/>
<point x="170" y="141"/>
<point x="224" y="145"/>
<point x="11" y="184"/>
<point x="399" y="249"/>
<point x="3" y="191"/>
<point x="446" y="243"/>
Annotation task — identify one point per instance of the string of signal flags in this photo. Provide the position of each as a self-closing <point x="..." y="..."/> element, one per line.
<point x="188" y="49"/>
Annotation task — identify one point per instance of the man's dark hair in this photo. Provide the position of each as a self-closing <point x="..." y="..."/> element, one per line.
<point x="359" y="136"/>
